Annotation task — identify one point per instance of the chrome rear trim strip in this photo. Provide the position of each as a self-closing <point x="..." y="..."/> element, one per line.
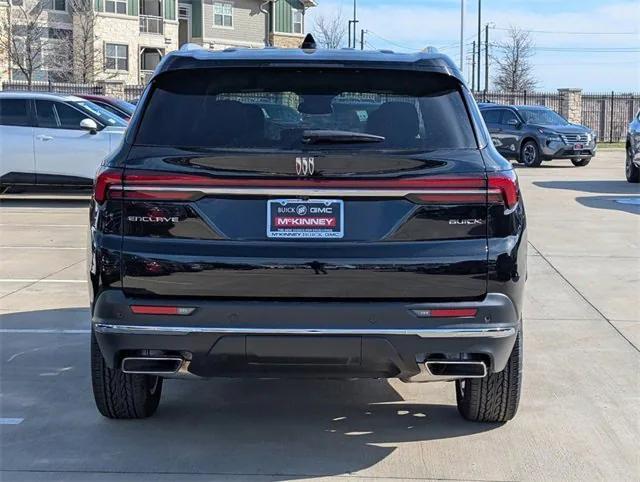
<point x="422" y="333"/>
<point x="305" y="192"/>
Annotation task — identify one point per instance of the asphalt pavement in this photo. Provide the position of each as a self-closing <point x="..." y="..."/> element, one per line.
<point x="579" y="417"/>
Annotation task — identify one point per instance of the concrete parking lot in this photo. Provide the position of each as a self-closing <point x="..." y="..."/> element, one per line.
<point x="579" y="417"/>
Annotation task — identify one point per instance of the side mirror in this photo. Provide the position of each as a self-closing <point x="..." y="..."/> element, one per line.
<point x="514" y="123"/>
<point x="89" y="125"/>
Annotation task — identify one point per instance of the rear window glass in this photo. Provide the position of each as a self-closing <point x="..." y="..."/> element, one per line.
<point x="284" y="109"/>
<point x="13" y="112"/>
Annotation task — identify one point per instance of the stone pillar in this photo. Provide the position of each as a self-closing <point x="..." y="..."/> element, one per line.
<point x="112" y="88"/>
<point x="571" y="105"/>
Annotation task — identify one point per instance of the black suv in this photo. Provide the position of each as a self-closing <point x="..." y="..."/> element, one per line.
<point x="532" y="134"/>
<point x="376" y="233"/>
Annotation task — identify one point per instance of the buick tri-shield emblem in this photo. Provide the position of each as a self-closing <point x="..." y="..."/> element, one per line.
<point x="305" y="166"/>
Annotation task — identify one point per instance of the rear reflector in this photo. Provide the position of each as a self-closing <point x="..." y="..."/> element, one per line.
<point x="446" y="313"/>
<point x="161" y="310"/>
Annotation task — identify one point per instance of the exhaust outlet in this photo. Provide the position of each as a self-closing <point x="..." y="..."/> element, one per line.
<point x="453" y="370"/>
<point x="151" y="365"/>
<point x="448" y="370"/>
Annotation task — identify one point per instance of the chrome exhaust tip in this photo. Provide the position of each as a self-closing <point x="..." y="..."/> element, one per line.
<point x="448" y="370"/>
<point x="151" y="365"/>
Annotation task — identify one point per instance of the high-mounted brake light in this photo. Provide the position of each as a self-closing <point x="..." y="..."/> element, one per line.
<point x="507" y="184"/>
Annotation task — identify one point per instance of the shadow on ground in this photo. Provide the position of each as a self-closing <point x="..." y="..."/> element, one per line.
<point x="600" y="187"/>
<point x="610" y="203"/>
<point x="281" y="429"/>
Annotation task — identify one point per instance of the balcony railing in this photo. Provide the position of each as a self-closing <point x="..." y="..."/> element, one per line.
<point x="151" y="24"/>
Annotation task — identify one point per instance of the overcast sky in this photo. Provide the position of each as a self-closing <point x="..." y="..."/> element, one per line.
<point x="596" y="43"/>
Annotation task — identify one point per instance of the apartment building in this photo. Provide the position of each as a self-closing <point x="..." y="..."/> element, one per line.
<point x="129" y="37"/>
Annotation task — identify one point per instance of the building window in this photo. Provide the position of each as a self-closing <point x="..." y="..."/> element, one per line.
<point x="222" y="14"/>
<point x="297" y="20"/>
<point x="116" y="6"/>
<point x="17" y="3"/>
<point x="60" y="5"/>
<point x="117" y="57"/>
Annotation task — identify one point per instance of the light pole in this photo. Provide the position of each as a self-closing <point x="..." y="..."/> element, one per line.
<point x="479" y="39"/>
<point x="462" y="36"/>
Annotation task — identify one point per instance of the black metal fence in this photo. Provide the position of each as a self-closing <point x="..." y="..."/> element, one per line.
<point x="57" y="87"/>
<point x="609" y="114"/>
<point x="549" y="99"/>
<point x="133" y="92"/>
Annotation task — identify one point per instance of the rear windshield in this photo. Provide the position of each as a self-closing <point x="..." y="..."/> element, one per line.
<point x="284" y="109"/>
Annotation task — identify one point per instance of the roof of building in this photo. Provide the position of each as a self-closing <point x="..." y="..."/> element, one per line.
<point x="193" y="57"/>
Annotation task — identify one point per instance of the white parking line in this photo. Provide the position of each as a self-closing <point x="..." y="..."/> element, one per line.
<point x="10" y="421"/>
<point x="40" y="247"/>
<point x="35" y="280"/>
<point x="44" y="225"/>
<point x="55" y="331"/>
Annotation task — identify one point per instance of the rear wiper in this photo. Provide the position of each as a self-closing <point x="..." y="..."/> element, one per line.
<point x="320" y="136"/>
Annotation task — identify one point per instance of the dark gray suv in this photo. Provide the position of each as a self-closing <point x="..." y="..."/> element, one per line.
<point x="532" y="134"/>
<point x="632" y="164"/>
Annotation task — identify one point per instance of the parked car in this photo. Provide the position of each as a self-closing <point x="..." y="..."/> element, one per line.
<point x="532" y="134"/>
<point x="395" y="247"/>
<point x="632" y="162"/>
<point x="49" y="139"/>
<point x="121" y="108"/>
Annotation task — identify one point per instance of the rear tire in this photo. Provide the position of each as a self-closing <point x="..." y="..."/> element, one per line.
<point x="122" y="395"/>
<point x="530" y="154"/>
<point x="494" y="398"/>
<point x="630" y="169"/>
<point x="581" y="162"/>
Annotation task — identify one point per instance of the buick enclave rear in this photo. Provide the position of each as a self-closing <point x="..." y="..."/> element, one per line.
<point x="372" y="232"/>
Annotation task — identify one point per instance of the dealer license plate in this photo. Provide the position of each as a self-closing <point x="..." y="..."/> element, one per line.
<point x="302" y="219"/>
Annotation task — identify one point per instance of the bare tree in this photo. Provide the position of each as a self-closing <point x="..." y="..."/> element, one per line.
<point x="513" y="64"/>
<point x="330" y="29"/>
<point x="26" y="38"/>
<point x="86" y="64"/>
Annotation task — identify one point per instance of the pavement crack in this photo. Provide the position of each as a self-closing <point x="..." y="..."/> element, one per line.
<point x="43" y="278"/>
<point x="586" y="300"/>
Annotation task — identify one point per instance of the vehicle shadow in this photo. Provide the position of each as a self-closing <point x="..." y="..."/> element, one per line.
<point x="281" y="429"/>
<point x="625" y="204"/>
<point x="600" y="187"/>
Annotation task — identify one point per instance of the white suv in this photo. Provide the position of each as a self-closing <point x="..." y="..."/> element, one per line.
<point x="50" y="139"/>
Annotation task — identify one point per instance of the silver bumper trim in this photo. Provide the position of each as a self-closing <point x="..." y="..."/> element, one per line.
<point x="422" y="333"/>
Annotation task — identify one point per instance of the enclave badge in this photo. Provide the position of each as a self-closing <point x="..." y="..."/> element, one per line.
<point x="305" y="166"/>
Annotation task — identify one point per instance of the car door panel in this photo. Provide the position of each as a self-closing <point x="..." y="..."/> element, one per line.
<point x="510" y="131"/>
<point x="62" y="148"/>
<point x="492" y="118"/>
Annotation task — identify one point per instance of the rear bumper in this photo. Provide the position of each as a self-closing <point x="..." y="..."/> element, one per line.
<point x="317" y="339"/>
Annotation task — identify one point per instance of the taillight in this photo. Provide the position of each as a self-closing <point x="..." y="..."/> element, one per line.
<point x="502" y="187"/>
<point x="505" y="183"/>
<point x="106" y="179"/>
